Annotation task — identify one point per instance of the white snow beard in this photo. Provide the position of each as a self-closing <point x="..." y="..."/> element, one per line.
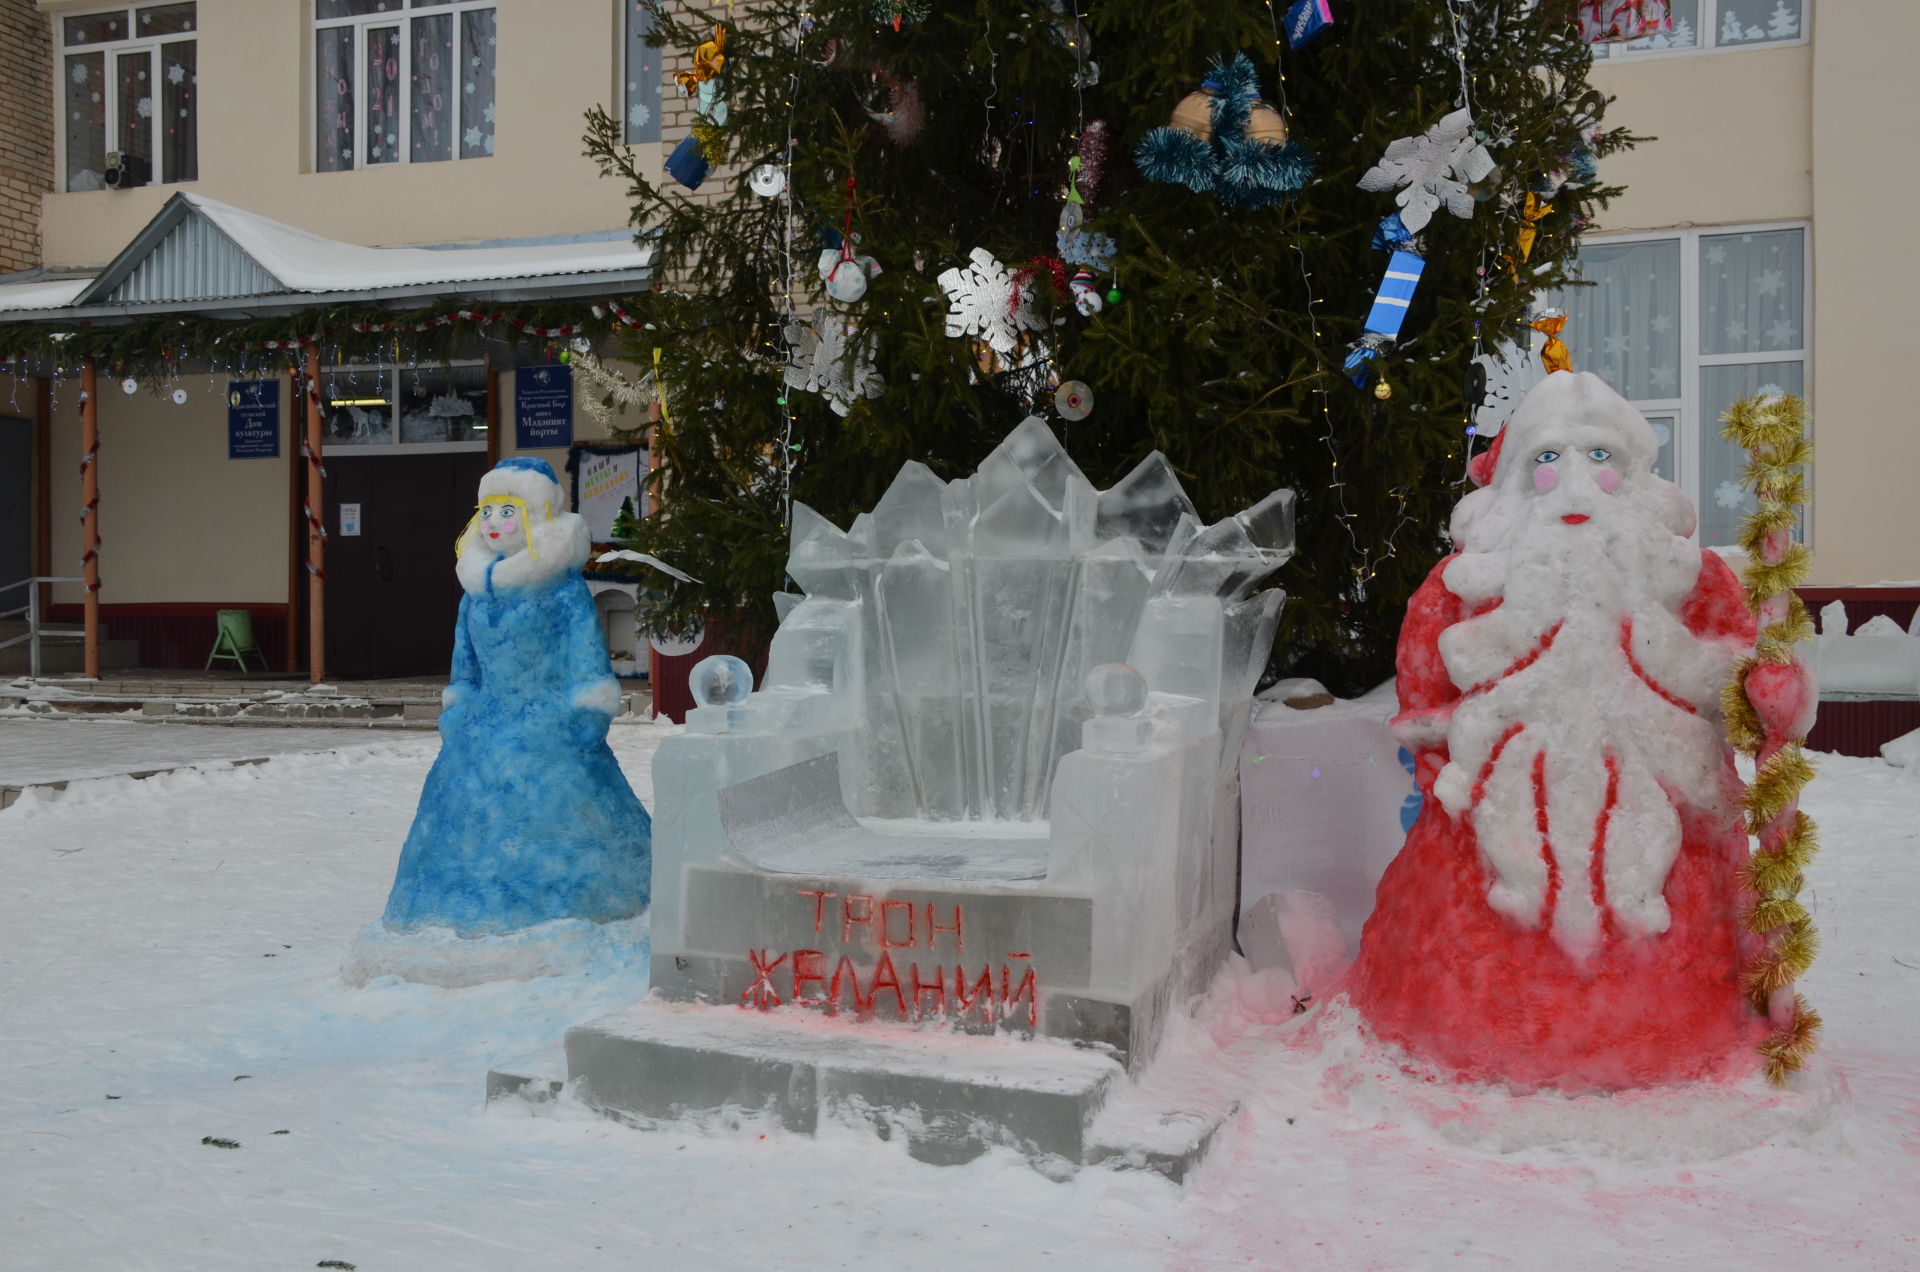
<point x="551" y="548"/>
<point x="1578" y="687"/>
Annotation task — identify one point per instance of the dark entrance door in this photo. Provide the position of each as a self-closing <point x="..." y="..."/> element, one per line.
<point x="391" y="592"/>
<point x="16" y="509"/>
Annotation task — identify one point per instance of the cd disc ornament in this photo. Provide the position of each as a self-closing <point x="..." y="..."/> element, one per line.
<point x="767" y="180"/>
<point x="1074" y="400"/>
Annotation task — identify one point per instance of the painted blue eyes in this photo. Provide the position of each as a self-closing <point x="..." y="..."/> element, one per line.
<point x="1546" y="457"/>
<point x="1598" y="455"/>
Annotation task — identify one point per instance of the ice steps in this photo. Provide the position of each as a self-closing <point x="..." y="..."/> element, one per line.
<point x="950" y="1096"/>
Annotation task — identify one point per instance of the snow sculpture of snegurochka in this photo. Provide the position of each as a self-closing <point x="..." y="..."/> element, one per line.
<point x="526" y="817"/>
<point x="989" y="786"/>
<point x="1566" y="910"/>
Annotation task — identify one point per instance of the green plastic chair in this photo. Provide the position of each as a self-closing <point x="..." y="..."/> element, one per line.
<point x="233" y="640"/>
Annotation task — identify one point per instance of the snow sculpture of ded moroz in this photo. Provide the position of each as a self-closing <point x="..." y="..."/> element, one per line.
<point x="1565" y="910"/>
<point x="526" y="816"/>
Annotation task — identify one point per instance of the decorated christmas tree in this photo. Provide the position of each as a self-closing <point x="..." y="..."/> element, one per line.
<point x="1158" y="227"/>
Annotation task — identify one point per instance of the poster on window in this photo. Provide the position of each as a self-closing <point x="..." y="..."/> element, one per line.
<point x="605" y="476"/>
<point x="253" y="419"/>
<point x="543" y="407"/>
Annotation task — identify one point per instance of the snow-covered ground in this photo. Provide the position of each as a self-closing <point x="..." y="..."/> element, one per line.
<point x="170" y="956"/>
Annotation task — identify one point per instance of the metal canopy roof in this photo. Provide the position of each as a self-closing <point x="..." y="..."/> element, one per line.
<point x="201" y="256"/>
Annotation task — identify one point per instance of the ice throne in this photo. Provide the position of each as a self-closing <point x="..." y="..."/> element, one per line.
<point x="990" y="782"/>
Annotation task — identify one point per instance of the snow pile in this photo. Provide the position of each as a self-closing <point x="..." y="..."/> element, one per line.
<point x="441" y="956"/>
<point x="171" y="972"/>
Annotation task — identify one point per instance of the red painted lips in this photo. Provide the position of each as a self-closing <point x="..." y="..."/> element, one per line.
<point x="1575" y="518"/>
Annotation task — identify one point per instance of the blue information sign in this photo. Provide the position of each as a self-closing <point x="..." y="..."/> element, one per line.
<point x="543" y="407"/>
<point x="253" y="419"/>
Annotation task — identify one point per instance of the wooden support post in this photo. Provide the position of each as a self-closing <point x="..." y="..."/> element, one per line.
<point x="90" y="511"/>
<point x="493" y="416"/>
<point x="316" y="528"/>
<point x="294" y="525"/>
<point x="43" y="489"/>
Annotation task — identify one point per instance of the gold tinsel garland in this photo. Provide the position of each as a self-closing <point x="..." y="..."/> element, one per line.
<point x="1772" y="430"/>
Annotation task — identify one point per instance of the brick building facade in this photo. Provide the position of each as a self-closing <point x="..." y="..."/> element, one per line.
<point x="26" y="130"/>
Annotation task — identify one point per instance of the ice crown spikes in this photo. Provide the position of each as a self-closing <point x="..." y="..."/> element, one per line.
<point x="1029" y="500"/>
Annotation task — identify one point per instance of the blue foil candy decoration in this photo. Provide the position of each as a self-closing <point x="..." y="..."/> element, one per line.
<point x="1306" y="19"/>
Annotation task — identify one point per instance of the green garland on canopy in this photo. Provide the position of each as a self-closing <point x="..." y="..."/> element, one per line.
<point x="162" y="347"/>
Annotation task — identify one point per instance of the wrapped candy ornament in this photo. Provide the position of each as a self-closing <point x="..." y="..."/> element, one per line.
<point x="845" y="273"/>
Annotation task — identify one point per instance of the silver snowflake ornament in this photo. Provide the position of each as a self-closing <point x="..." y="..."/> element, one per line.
<point x="821" y="362"/>
<point x="983" y="302"/>
<point x="1432" y="169"/>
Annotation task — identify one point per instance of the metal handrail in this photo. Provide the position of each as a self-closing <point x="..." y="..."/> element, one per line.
<point x="31" y="609"/>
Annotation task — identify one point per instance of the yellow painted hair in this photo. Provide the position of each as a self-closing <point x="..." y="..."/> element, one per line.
<point x="473" y="522"/>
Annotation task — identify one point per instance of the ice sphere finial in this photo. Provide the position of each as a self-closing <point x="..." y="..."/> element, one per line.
<point x="720" y="681"/>
<point x="1115" y="689"/>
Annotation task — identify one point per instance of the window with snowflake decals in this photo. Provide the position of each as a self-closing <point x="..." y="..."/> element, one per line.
<point x="1683" y="325"/>
<point x="402" y="81"/>
<point x="129" y="88"/>
<point x="639" y="75"/>
<point x="1720" y="24"/>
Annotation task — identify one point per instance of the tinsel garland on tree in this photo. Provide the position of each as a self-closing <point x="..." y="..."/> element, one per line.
<point x="1769" y="706"/>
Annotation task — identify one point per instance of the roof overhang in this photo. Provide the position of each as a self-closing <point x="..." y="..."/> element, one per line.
<point x="199" y="257"/>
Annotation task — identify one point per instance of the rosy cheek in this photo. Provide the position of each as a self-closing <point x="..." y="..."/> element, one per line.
<point x="1545" y="477"/>
<point x="1607" y="479"/>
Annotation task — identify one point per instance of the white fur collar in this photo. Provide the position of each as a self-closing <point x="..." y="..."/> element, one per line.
<point x="558" y="545"/>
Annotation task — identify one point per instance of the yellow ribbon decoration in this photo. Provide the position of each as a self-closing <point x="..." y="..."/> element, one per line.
<point x="660" y="391"/>
<point x="1555" y="356"/>
<point x="709" y="61"/>
<point x="1530" y="214"/>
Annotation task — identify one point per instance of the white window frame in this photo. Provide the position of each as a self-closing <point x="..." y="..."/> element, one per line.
<point x="392" y="372"/>
<point x="1688" y="427"/>
<point x="1707" y="37"/>
<point x="110" y="88"/>
<point x="401" y="17"/>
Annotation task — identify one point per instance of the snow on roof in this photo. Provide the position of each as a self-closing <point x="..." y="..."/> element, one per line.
<point x="199" y="252"/>
<point x="40" y="293"/>
<point x="307" y="262"/>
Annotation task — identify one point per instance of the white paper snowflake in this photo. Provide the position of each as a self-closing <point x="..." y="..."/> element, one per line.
<point x="981" y="297"/>
<point x="144" y="108"/>
<point x="1769" y="282"/>
<point x="1782" y="335"/>
<point x="821" y="364"/>
<point x="472" y="138"/>
<point x="638" y="115"/>
<point x="1434" y="168"/>
<point x="1728" y="494"/>
<point x="1511" y="370"/>
<point x="176" y="73"/>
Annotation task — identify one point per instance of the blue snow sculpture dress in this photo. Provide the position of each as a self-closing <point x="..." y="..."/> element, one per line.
<point x="525" y="816"/>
